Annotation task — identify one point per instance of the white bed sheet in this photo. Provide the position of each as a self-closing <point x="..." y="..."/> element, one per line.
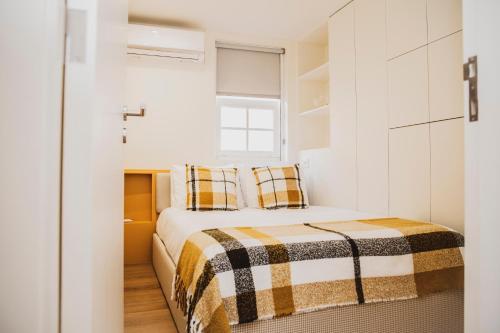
<point x="175" y="225"/>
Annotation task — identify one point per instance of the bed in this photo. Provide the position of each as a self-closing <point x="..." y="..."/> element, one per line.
<point x="440" y="312"/>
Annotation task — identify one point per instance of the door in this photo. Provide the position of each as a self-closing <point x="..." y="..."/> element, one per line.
<point x="31" y="67"/>
<point x="92" y="202"/>
<point x="482" y="170"/>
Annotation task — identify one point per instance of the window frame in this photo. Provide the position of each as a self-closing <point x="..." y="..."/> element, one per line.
<point x="250" y="103"/>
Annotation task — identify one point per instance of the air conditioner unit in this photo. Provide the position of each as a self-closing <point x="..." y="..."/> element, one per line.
<point x="172" y="43"/>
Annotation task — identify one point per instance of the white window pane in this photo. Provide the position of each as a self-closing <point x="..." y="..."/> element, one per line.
<point x="233" y="140"/>
<point x="261" y="118"/>
<point x="233" y="117"/>
<point x="261" y="140"/>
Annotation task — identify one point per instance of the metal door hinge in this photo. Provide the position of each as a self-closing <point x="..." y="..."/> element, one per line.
<point x="470" y="75"/>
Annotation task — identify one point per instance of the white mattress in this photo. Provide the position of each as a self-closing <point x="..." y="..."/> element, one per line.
<point x="175" y="225"/>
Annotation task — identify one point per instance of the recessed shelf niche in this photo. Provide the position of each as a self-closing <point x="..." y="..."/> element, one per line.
<point x="313" y="89"/>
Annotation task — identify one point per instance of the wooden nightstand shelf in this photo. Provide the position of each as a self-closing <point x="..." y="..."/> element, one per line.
<point x="140" y="207"/>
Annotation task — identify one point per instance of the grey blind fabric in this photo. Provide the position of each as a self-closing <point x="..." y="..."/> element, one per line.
<point x="243" y="72"/>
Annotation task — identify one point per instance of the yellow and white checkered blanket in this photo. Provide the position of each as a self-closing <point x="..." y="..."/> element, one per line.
<point x="236" y="275"/>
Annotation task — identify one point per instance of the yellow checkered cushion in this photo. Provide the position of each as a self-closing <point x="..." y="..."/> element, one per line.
<point x="211" y="188"/>
<point x="280" y="187"/>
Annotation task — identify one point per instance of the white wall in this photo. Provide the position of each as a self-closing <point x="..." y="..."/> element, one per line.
<point x="180" y="123"/>
<point x="31" y="34"/>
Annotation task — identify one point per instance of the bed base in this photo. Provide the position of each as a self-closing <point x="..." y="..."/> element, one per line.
<point x="438" y="313"/>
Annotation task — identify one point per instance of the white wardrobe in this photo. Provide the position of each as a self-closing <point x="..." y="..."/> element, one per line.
<point x="396" y="111"/>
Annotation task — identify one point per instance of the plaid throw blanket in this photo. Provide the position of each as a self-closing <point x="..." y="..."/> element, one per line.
<point x="237" y="275"/>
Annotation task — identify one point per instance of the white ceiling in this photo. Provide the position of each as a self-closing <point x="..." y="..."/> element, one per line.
<point x="284" y="19"/>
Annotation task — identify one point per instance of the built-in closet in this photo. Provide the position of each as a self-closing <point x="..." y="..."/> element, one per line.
<point x="395" y="111"/>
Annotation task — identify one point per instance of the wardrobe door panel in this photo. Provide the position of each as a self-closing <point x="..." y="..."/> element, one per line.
<point x="406" y="26"/>
<point x="343" y="107"/>
<point x="409" y="172"/>
<point x="408" y="89"/>
<point x="444" y="17"/>
<point x="447" y="173"/>
<point x="371" y="87"/>
<point x="446" y="88"/>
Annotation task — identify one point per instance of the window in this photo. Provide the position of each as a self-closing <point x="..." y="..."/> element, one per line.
<point x="249" y="101"/>
<point x="249" y="126"/>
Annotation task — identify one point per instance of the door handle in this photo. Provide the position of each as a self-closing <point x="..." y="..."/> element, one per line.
<point x="142" y="112"/>
<point x="126" y="114"/>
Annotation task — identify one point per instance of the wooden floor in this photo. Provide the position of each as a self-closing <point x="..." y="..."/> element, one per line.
<point x="146" y="310"/>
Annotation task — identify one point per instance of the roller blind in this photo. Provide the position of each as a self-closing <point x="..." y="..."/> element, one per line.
<point x="248" y="71"/>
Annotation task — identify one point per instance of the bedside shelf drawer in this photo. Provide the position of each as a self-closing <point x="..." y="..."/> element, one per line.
<point x="140" y="207"/>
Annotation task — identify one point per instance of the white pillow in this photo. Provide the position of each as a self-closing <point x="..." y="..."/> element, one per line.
<point x="249" y="187"/>
<point x="178" y="191"/>
<point x="249" y="183"/>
